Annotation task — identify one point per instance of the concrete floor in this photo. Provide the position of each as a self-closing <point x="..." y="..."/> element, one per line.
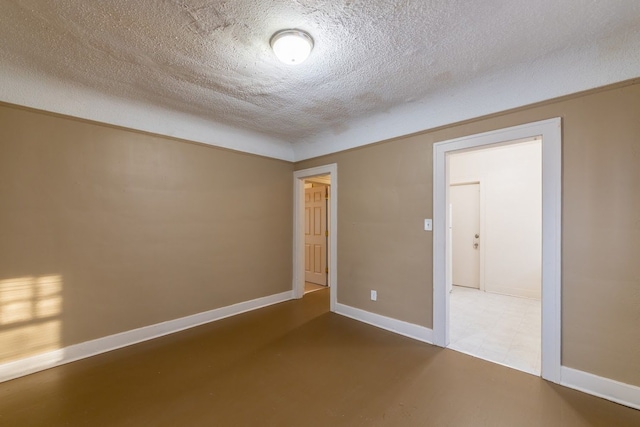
<point x="295" y="364"/>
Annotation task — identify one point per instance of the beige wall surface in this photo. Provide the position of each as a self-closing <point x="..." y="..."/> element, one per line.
<point x="104" y="230"/>
<point x="382" y="245"/>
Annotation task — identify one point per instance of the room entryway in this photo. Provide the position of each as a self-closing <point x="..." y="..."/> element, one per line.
<point x="315" y="231"/>
<point x="495" y="209"/>
<point x="499" y="320"/>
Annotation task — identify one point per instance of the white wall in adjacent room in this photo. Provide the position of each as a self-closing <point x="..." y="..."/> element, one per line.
<point x="510" y="214"/>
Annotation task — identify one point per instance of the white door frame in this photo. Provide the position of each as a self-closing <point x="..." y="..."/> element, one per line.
<point x="551" y="133"/>
<point x="298" y="230"/>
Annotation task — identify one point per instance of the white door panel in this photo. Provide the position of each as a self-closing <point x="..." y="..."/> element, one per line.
<point x="465" y="229"/>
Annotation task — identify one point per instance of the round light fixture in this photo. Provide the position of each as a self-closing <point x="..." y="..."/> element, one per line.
<point x="292" y="46"/>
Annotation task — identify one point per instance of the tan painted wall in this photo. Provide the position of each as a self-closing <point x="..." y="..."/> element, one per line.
<point x="381" y="244"/>
<point x="104" y="230"/>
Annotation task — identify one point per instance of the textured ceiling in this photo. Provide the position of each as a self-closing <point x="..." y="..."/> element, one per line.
<point x="209" y="62"/>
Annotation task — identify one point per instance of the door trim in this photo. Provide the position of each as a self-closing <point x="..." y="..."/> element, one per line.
<point x="551" y="133"/>
<point x="298" y="230"/>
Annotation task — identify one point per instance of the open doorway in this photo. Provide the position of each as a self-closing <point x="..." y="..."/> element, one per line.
<point x="495" y="226"/>
<point x="549" y="132"/>
<point x="315" y="231"/>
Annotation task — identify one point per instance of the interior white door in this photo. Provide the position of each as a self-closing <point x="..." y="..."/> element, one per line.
<point x="465" y="229"/>
<point x="315" y="235"/>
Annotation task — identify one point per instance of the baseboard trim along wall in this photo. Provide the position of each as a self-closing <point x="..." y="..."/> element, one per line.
<point x="75" y="352"/>
<point x="624" y="394"/>
<point x="615" y="391"/>
<point x="407" y="329"/>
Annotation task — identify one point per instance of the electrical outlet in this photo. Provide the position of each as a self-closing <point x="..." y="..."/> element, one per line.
<point x="374" y="295"/>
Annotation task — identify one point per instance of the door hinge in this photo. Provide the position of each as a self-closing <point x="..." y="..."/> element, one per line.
<point x="326" y="233"/>
<point x="326" y="270"/>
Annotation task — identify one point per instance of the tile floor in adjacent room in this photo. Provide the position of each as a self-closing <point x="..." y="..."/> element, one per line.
<point x="498" y="328"/>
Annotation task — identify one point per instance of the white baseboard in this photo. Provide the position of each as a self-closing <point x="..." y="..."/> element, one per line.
<point x="75" y="352"/>
<point x="518" y="293"/>
<point x="624" y="394"/>
<point x="407" y="329"/>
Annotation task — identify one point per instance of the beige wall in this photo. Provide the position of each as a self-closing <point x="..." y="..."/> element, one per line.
<point x="382" y="246"/>
<point x="104" y="230"/>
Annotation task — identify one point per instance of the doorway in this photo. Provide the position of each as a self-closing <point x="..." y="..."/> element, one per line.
<point x="316" y="233"/>
<point x="307" y="251"/>
<point x="549" y="133"/>
<point x="495" y="215"/>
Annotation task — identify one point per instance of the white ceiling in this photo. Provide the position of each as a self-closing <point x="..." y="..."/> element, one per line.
<point x="203" y="70"/>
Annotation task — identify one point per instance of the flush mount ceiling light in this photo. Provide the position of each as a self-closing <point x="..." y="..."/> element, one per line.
<point x="292" y="46"/>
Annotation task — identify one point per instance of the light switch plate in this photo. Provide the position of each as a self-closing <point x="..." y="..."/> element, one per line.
<point x="374" y="295"/>
<point x="428" y="225"/>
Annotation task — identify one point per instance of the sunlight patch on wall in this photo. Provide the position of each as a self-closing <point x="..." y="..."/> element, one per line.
<point x="30" y="309"/>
